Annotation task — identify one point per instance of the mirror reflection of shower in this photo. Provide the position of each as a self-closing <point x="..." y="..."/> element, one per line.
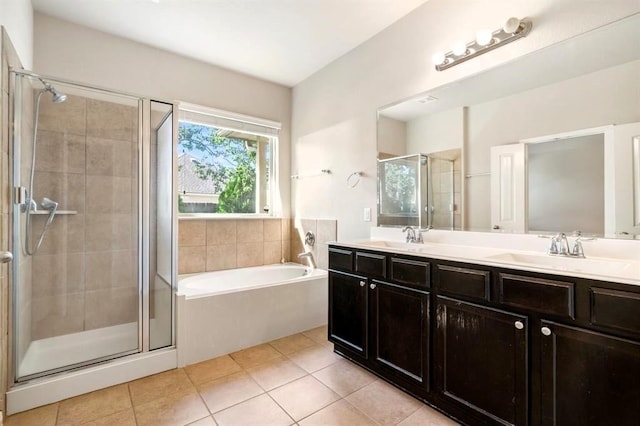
<point x="46" y="204"/>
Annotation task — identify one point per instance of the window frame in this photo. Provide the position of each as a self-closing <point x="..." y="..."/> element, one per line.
<point x="217" y="118"/>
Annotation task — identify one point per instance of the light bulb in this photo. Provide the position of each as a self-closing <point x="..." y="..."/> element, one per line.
<point x="459" y="48"/>
<point x="438" y="58"/>
<point x="484" y="37"/>
<point x="511" y="26"/>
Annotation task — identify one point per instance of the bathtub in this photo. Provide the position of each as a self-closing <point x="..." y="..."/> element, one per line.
<point x="225" y="311"/>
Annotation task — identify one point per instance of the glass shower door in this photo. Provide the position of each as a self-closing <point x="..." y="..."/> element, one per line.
<point x="76" y="226"/>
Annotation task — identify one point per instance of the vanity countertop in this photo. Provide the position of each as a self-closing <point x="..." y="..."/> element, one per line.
<point x="622" y="269"/>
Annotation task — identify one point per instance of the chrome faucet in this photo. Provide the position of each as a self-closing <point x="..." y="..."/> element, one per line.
<point x="412" y="237"/>
<point x="560" y="245"/>
<point x="310" y="259"/>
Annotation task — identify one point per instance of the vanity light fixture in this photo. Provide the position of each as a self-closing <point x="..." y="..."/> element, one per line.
<point x="485" y="41"/>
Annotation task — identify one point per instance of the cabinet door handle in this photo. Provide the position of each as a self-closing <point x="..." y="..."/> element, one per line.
<point x="372" y="286"/>
<point x="519" y="325"/>
<point x="362" y="283"/>
<point x="546" y="331"/>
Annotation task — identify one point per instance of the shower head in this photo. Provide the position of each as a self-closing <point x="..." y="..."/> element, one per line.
<point x="58" y="97"/>
<point x="48" y="204"/>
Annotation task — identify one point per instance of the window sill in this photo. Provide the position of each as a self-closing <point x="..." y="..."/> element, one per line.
<point x="224" y="216"/>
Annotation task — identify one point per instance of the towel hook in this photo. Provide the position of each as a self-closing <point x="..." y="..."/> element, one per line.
<point x="354" y="179"/>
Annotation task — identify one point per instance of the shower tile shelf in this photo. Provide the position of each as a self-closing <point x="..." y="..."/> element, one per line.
<point x="59" y="212"/>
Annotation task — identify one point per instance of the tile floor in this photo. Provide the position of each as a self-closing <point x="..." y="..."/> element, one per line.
<point x="294" y="380"/>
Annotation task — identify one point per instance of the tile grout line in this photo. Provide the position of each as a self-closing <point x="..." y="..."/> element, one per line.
<point x="200" y="396"/>
<point x="135" y="418"/>
<point x="265" y="391"/>
<point x="282" y="408"/>
<point x="57" y="411"/>
<point x="360" y="411"/>
<point x="308" y="374"/>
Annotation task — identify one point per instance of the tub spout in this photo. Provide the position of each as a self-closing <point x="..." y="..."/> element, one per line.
<point x="310" y="259"/>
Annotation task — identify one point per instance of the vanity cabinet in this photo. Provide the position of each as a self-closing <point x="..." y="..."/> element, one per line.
<point x="490" y="345"/>
<point x="588" y="378"/>
<point x="481" y="360"/>
<point x="348" y="312"/>
<point x="383" y="322"/>
<point x="400" y="333"/>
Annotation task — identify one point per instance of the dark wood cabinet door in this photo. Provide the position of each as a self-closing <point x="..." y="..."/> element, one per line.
<point x="400" y="328"/>
<point x="588" y="378"/>
<point x="348" y="311"/>
<point x="481" y="360"/>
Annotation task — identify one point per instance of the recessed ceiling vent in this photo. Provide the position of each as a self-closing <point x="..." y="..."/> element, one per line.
<point x="427" y="99"/>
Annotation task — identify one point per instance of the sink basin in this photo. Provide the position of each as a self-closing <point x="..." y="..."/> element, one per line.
<point x="414" y="247"/>
<point x="588" y="265"/>
<point x="430" y="249"/>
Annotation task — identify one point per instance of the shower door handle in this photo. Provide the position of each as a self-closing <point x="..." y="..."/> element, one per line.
<point x="5" y="256"/>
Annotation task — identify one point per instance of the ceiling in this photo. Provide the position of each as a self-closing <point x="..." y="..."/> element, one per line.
<point x="284" y="41"/>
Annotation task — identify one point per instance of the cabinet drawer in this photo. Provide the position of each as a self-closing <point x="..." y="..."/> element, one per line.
<point x="410" y="272"/>
<point x="536" y="294"/>
<point x="472" y="283"/>
<point x="615" y="309"/>
<point x="340" y="259"/>
<point x="371" y="264"/>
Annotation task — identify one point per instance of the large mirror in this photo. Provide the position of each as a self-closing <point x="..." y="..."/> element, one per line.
<point x="547" y="140"/>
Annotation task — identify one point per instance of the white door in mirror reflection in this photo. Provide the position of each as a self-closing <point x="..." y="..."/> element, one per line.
<point x="557" y="183"/>
<point x="508" y="188"/>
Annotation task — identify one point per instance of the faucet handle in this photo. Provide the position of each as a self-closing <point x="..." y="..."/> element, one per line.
<point x="553" y="247"/>
<point x="577" y="250"/>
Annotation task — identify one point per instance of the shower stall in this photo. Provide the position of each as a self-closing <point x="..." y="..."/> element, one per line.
<point x="93" y="232"/>
<point x="420" y="190"/>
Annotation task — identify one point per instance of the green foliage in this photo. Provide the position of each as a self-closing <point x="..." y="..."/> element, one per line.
<point x="225" y="161"/>
<point x="181" y="207"/>
<point x="239" y="196"/>
<point x="399" y="188"/>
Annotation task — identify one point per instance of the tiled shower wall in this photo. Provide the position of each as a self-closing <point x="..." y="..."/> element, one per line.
<point x="445" y="178"/>
<point x="217" y="244"/>
<point x="85" y="273"/>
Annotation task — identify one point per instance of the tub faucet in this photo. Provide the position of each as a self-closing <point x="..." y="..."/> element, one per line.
<point x="310" y="259"/>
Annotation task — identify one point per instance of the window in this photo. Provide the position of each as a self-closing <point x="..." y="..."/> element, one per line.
<point x="226" y="162"/>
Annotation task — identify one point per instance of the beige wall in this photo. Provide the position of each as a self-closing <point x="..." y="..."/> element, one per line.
<point x="392" y="137"/>
<point x="218" y="244"/>
<point x="436" y="132"/>
<point x="334" y="110"/>
<point x="77" y="53"/>
<point x="17" y="18"/>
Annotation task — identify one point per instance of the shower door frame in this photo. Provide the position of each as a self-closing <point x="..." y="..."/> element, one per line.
<point x="143" y="224"/>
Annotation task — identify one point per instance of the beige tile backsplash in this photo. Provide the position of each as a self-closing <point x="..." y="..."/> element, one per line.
<point x="213" y="245"/>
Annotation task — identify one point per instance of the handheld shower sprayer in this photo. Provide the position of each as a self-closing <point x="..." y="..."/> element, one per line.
<point x="46" y="203"/>
<point x="52" y="206"/>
